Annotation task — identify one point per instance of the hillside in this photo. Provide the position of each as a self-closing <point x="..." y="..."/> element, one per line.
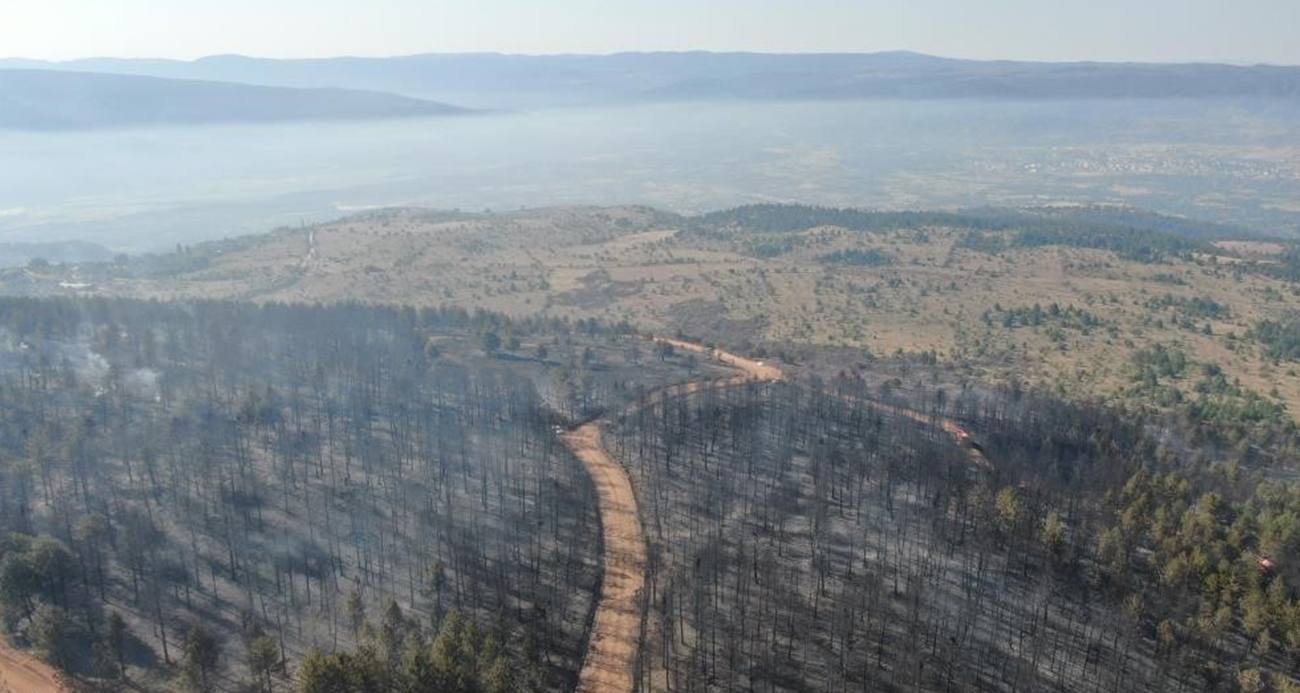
<point x="212" y="495"/>
<point x="56" y="100"/>
<point x="908" y="485"/>
<point x="1072" y="299"/>
<point x="360" y="476"/>
<point x="506" y="81"/>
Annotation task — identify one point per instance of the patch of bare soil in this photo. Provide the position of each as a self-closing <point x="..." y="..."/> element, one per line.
<point x="598" y="291"/>
<point x="701" y="316"/>
<point x="759" y="370"/>
<point x="1251" y="247"/>
<point x="23" y="673"/>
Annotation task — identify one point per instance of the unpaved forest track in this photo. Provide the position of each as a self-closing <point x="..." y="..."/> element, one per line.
<point x="616" y="629"/>
<point x="609" y="664"/>
<point x="952" y="428"/>
<point x="22" y="673"/>
<point x="753" y="368"/>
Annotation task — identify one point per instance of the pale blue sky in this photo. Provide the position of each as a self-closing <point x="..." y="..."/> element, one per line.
<point x="1156" y="30"/>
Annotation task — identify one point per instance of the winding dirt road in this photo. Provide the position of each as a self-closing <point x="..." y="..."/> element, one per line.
<point x="616" y="629"/>
<point x="615" y="632"/>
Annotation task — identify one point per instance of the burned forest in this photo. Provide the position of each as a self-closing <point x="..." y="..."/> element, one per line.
<point x="649" y="347"/>
<point x="217" y="495"/>
<point x="206" y="494"/>
<point x="362" y="498"/>
<point x="216" y="490"/>
<point x="857" y="534"/>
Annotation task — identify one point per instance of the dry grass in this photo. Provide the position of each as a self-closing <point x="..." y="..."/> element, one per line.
<point x="629" y="264"/>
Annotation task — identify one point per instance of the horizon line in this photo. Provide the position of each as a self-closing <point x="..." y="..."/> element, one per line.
<point x="698" y="51"/>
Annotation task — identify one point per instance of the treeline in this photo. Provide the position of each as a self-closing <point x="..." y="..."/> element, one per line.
<point x="212" y="477"/>
<point x="1193" y="306"/>
<point x="862" y="257"/>
<point x="1038" y="316"/>
<point x="1280" y="338"/>
<point x="1130" y="237"/>
<point x="1132" y="217"/>
<point x="982" y="242"/>
<point x="786" y="218"/>
<point x="1189" y="547"/>
<point x="1213" y="410"/>
<point x="398" y="654"/>
<point x="838" y="536"/>
<point x="1287" y="265"/>
<point x="1139" y="245"/>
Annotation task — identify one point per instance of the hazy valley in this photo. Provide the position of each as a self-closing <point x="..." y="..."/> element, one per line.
<point x="146" y="189"/>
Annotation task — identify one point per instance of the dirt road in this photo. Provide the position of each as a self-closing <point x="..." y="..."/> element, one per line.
<point x="757" y="369"/>
<point x="616" y="630"/>
<point x="952" y="428"/>
<point x="608" y="666"/>
<point x="23" y="673"/>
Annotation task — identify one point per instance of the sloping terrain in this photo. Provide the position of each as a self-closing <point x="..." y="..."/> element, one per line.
<point x="1063" y="301"/>
<point x="613" y="643"/>
<point x="869" y="523"/>
<point x="328" y="478"/>
<point x="826" y="534"/>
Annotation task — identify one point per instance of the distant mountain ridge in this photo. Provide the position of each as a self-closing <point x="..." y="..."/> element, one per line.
<point x="56" y="100"/>
<point x="530" y="81"/>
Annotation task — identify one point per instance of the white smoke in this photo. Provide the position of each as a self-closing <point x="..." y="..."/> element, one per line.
<point x="143" y="383"/>
<point x="91" y="368"/>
